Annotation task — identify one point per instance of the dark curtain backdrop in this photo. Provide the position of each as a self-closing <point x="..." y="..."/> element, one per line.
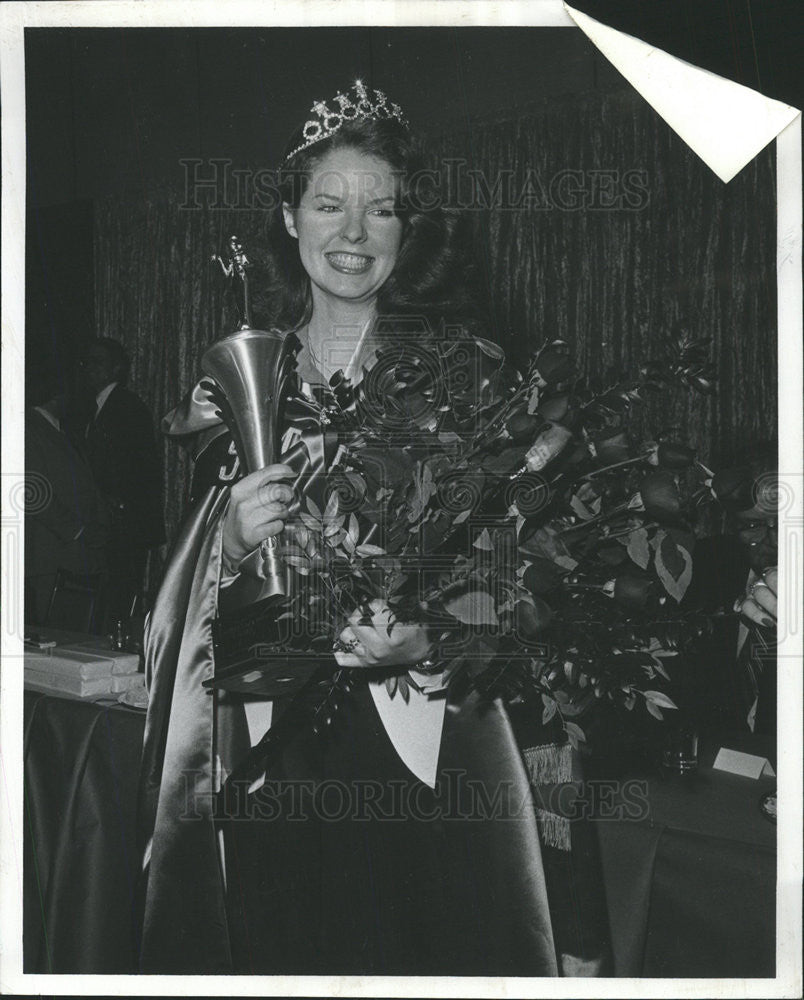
<point x="59" y="292"/>
<point x="689" y="254"/>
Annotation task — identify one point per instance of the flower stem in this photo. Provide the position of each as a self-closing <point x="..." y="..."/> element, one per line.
<point x="616" y="512"/>
<point x="627" y="531"/>
<point x="494" y="424"/>
<point x="615" y="465"/>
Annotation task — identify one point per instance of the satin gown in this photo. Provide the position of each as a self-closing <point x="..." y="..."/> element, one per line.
<point x="349" y="864"/>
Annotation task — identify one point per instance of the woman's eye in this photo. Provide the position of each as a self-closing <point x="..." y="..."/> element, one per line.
<point x="327" y="208"/>
<point x="384" y="213"/>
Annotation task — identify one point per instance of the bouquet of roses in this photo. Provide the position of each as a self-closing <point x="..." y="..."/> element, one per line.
<point x="516" y="514"/>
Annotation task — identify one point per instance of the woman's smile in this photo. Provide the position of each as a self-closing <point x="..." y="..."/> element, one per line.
<point x="349" y="263"/>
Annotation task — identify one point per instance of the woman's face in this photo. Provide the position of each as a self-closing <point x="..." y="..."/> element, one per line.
<point x="348" y="232"/>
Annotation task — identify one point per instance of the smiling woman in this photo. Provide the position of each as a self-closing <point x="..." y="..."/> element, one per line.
<point x="367" y="182"/>
<point x="360" y="852"/>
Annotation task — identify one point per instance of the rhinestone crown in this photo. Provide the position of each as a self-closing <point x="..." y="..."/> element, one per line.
<point x="359" y="103"/>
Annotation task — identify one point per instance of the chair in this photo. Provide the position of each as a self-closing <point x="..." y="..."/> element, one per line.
<point x="74" y="602"/>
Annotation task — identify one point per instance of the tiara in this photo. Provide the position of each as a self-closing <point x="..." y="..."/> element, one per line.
<point x="357" y="104"/>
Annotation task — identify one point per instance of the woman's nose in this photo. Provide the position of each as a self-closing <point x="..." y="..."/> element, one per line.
<point x="354" y="228"/>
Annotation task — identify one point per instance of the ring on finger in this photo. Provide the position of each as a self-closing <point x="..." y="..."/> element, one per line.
<point x="345" y="645"/>
<point x="758" y="583"/>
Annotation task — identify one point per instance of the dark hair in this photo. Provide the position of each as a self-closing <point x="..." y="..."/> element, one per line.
<point x="40" y="385"/>
<point x="116" y="355"/>
<point x="432" y="273"/>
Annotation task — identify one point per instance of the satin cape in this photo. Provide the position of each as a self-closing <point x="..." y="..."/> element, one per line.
<point x="190" y="731"/>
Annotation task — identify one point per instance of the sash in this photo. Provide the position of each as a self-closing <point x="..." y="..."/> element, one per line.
<point x="184" y="924"/>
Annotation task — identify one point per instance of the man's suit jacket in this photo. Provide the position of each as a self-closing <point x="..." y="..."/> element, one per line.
<point x="122" y="453"/>
<point x="62" y="502"/>
<point x="720" y="682"/>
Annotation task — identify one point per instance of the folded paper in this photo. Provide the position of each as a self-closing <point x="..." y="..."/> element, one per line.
<point x="725" y="123"/>
<point x="746" y="764"/>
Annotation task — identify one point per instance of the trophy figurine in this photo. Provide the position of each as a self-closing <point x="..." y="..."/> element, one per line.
<point x="246" y="377"/>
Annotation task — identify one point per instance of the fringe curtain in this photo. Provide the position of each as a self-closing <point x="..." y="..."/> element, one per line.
<point x="656" y="244"/>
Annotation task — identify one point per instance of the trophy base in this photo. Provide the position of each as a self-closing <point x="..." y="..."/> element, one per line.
<point x="274" y="676"/>
<point x="274" y="570"/>
<point x="257" y="654"/>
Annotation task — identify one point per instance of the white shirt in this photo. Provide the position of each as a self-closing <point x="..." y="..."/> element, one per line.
<point x="51" y="419"/>
<point x="102" y="396"/>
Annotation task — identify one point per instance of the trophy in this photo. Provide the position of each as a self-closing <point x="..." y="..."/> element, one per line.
<point x="246" y="377"/>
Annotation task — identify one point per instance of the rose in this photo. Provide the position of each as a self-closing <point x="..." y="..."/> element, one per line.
<point x="659" y="492"/>
<point x="611" y="446"/>
<point x="734" y="488"/>
<point x="541" y="576"/>
<point x="555" y="408"/>
<point x="500" y="385"/>
<point x="671" y="455"/>
<point x="532" y="619"/>
<point x="632" y="591"/>
<point x="555" y="364"/>
<point x="468" y="366"/>
<point x="522" y="427"/>
<point x="577" y="456"/>
<point x="386" y="468"/>
<point x="612" y="553"/>
<point x="403" y="387"/>
<point x="350" y="488"/>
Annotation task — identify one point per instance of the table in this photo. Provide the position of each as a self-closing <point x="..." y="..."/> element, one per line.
<point x="80" y="863"/>
<point x="691" y="879"/>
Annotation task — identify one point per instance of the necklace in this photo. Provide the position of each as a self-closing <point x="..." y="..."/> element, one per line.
<point x="351" y="369"/>
<point x="313" y="356"/>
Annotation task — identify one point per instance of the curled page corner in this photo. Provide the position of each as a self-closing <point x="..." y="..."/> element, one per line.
<point x="723" y="122"/>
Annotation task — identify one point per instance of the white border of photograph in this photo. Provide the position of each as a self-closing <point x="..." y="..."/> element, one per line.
<point x="537" y="13"/>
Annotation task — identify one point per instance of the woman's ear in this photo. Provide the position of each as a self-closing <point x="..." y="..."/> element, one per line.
<point x="290" y="219"/>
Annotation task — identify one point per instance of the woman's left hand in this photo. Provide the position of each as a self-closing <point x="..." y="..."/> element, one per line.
<point x="373" y="646"/>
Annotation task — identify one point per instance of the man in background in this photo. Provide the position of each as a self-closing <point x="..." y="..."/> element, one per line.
<point x="732" y="679"/>
<point x="66" y="519"/>
<point x="121" y="451"/>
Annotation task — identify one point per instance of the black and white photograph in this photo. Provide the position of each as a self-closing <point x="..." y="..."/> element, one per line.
<point x="402" y="499"/>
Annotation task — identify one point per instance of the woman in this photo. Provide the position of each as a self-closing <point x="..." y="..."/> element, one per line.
<point x="408" y="879"/>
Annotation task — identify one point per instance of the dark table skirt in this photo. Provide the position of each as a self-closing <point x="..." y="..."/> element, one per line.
<point x="80" y="859"/>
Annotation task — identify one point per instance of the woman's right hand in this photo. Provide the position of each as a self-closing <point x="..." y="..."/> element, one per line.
<point x="759" y="603"/>
<point x="258" y="509"/>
